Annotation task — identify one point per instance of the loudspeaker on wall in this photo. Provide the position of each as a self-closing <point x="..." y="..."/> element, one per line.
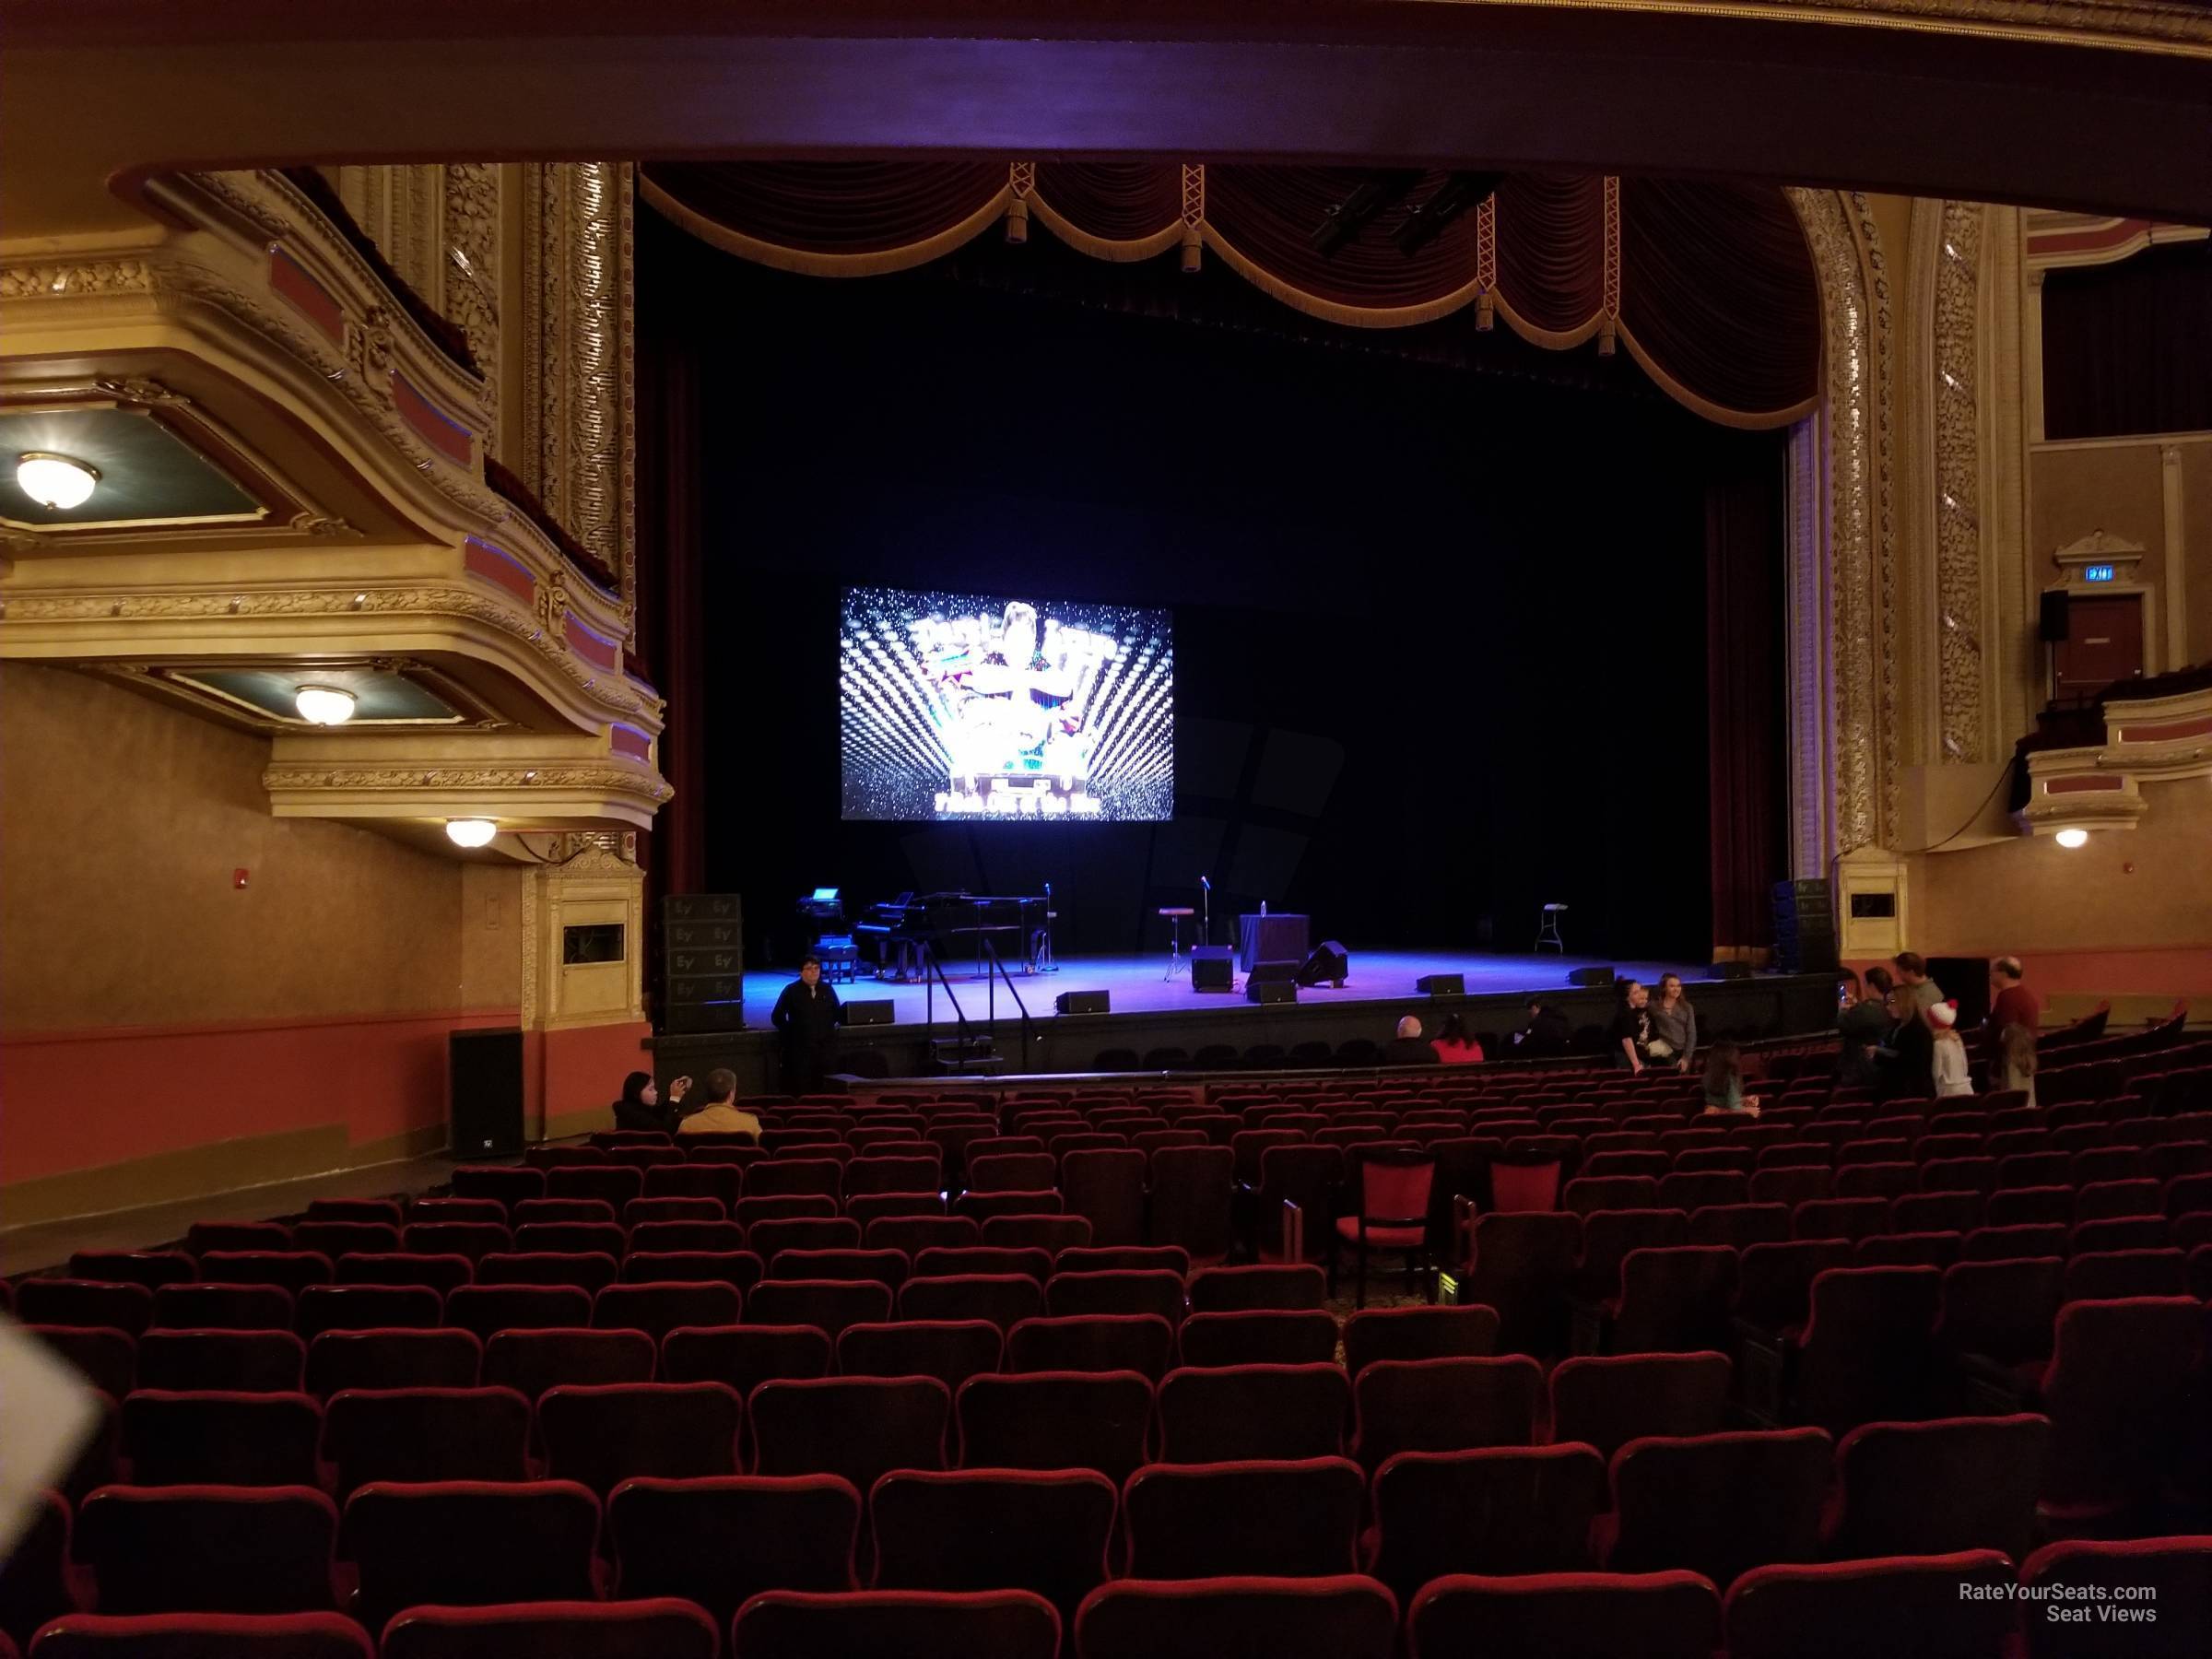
<point x="484" y="1091"/>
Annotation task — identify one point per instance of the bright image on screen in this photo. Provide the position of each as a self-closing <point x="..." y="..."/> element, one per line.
<point x="960" y="707"/>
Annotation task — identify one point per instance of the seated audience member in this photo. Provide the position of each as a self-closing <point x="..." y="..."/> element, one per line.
<point x="640" y="1107"/>
<point x="1629" y="1036"/>
<point x="1674" y="1024"/>
<point x="1916" y="991"/>
<point x="1947" y="1050"/>
<point x="2010" y="1001"/>
<point x="1864" y="1027"/>
<point x="2014" y="1062"/>
<point x="1455" y="1045"/>
<point x="1724" y="1080"/>
<point x="1907" y="1061"/>
<point x="720" y="1115"/>
<point x="1546" y="1034"/>
<point x="1406" y="1048"/>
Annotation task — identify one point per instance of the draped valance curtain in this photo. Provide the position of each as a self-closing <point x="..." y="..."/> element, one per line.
<point x="1709" y="286"/>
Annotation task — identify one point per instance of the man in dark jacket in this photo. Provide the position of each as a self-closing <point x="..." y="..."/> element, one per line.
<point x="807" y="1016"/>
<point x="1545" y="1035"/>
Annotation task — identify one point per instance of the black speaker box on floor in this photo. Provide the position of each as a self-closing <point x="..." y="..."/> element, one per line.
<point x="1729" y="971"/>
<point x="1441" y="984"/>
<point x="1283" y="970"/>
<point x="877" y="1011"/>
<point x="1591" y="976"/>
<point x="1965" y="981"/>
<point x="1213" y="967"/>
<point x="1260" y="989"/>
<point x="1081" y="1002"/>
<point x="1329" y="961"/>
<point x="484" y="1092"/>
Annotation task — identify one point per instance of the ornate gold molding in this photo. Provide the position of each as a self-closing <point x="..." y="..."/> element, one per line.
<point x="472" y="283"/>
<point x="298" y="776"/>
<point x="1962" y="725"/>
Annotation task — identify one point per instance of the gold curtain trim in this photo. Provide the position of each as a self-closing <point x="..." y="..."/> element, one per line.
<point x="1332" y="310"/>
<point x="1550" y="338"/>
<point x="1745" y="419"/>
<point x="807" y="263"/>
<point x="1103" y="247"/>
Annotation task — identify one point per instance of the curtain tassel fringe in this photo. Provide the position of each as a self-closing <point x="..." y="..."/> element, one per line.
<point x="1193" y="244"/>
<point x="1017" y="221"/>
<point x="1485" y="312"/>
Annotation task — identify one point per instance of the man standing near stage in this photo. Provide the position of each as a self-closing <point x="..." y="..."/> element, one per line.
<point x="806" y="1017"/>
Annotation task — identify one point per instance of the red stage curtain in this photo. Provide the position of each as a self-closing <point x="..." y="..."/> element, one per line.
<point x="1743" y="665"/>
<point x="1718" y="293"/>
<point x="2127" y="347"/>
<point x="1551" y="252"/>
<point x="1268" y="216"/>
<point x="833" y="208"/>
<point x="1113" y="201"/>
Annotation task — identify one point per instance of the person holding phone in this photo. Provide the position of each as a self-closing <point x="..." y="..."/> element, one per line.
<point x="640" y="1107"/>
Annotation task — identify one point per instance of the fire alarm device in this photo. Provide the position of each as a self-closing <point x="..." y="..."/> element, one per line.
<point x="238" y="878"/>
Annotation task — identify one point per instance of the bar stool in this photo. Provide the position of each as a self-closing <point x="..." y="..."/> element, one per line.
<point x="1547" y="932"/>
<point x="1176" y="962"/>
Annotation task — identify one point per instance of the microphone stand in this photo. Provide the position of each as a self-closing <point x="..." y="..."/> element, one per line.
<point x="1205" y="910"/>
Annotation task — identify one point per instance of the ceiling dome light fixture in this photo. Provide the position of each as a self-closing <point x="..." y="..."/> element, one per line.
<point x="324" y="705"/>
<point x="56" y="482"/>
<point x="2072" y="838"/>
<point x="471" y="832"/>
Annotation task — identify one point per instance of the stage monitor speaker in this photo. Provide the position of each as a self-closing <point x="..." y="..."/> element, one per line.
<point x="1441" y="984"/>
<point x="1284" y="968"/>
<point x="1213" y="967"/>
<point x="1260" y="989"/>
<point x="484" y="1092"/>
<point x="1965" y="981"/>
<point x="2053" y="618"/>
<point x="1329" y="961"/>
<point x="1081" y="1002"/>
<point x="1591" y="976"/>
<point x="875" y="1011"/>
<point x="1729" y="971"/>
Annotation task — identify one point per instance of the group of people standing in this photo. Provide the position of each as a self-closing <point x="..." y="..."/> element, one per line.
<point x="1901" y="1037"/>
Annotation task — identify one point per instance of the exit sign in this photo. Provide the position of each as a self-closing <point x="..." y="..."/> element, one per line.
<point x="2097" y="572"/>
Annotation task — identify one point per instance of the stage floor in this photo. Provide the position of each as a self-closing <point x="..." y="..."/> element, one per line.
<point x="1136" y="984"/>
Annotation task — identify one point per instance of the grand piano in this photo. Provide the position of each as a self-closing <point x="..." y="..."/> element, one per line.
<point x="904" y="935"/>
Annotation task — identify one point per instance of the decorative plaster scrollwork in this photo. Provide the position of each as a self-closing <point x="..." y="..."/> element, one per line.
<point x="1960" y="657"/>
<point x="317" y="524"/>
<point x="151" y="393"/>
<point x="471" y="239"/>
<point x="610" y="779"/>
<point x="47" y="281"/>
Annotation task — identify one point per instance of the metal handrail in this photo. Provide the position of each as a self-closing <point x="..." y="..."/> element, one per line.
<point x="998" y="971"/>
<point x="933" y="976"/>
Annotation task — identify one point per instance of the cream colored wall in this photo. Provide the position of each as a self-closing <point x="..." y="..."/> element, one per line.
<point x="123" y="820"/>
<point x="2117" y="487"/>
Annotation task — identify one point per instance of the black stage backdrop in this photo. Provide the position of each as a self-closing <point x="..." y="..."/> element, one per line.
<point x="1439" y="596"/>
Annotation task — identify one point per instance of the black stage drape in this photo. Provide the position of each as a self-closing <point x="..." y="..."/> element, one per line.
<point x="1744" y="684"/>
<point x="2127" y="347"/>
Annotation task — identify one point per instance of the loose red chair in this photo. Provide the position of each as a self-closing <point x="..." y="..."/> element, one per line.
<point x="207" y="1548"/>
<point x="2172" y="1575"/>
<point x="1055" y="1420"/>
<point x="1259" y="1338"/>
<point x="532" y="1361"/>
<point x="950" y="1350"/>
<point x="576" y="1630"/>
<point x="1390" y="1195"/>
<point x="659" y="1308"/>
<point x="720" y="1539"/>
<point x="152" y="1268"/>
<point x="218" y="1438"/>
<point x="1347" y="1617"/>
<point x="426" y="1434"/>
<point x="1443" y="1405"/>
<point x="586" y="1270"/>
<point x="468" y="1543"/>
<point x="1719" y="1504"/>
<point x="600" y="1435"/>
<point x="201" y="1635"/>
<point x="1932" y="1488"/>
<point x="400" y="1358"/>
<point x="1002" y="1299"/>
<point x="1570" y="1615"/>
<point x="859" y="1428"/>
<point x="1468" y="1331"/>
<point x="92" y="1304"/>
<point x="1607" y="1401"/>
<point x="1500" y="1509"/>
<point x="240" y="1362"/>
<point x="1096" y="1342"/>
<point x="989" y="1624"/>
<point x="488" y="1309"/>
<point x="1043" y="1531"/>
<point x="1928" y="1607"/>
<point x="1288" y="1287"/>
<point x="1287" y="1519"/>
<point x="1144" y="1291"/>
<point x="1246" y="1412"/>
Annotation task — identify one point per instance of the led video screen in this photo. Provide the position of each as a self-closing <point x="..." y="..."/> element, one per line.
<point x="958" y="707"/>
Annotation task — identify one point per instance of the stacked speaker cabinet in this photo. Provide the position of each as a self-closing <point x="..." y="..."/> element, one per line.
<point x="702" y="963"/>
<point x="1805" y="927"/>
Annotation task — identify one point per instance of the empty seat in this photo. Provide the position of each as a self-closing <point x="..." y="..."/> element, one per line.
<point x="887" y="1267"/>
<point x="1467" y="1330"/>
<point x="1122" y="1258"/>
<point x="745" y="1355"/>
<point x="989" y="1624"/>
<point x="1191" y="1192"/>
<point x="1719" y="1504"/>
<point x="2172" y="1575"/>
<point x="1936" y="1212"/>
<point x="1043" y="1531"/>
<point x="1443" y="1405"/>
<point x="615" y="1183"/>
<point x="599" y="1435"/>
<point x="1261" y="1339"/>
<point x="440" y="1273"/>
<point x="246" y="1361"/>
<point x="950" y="1350"/>
<point x="2119" y="1395"/>
<point x="1609" y="1193"/>
<point x="532" y="1361"/>
<point x="1672" y="1300"/>
<point x="467" y="1543"/>
<point x="507" y="1184"/>
<point x="1927" y="1488"/>
<point x="1144" y="1291"/>
<point x="2097" y="1276"/>
<point x="320" y="1308"/>
<point x="740" y="1270"/>
<point x="695" y="1232"/>
<point x="220" y="1439"/>
<point x="1851" y="1219"/>
<point x="470" y="1239"/>
<point x="1037" y="1230"/>
<point x="207" y="1548"/>
<point x="750" y="1211"/>
<point x="1694" y="1189"/>
<point x="719" y="1539"/>
<point x="1231" y="1290"/>
<point x="199" y="1307"/>
<point x="427" y="1434"/>
<point x="34" y="1578"/>
<point x="1774" y="1282"/>
<point x="1056" y="1421"/>
<point x="2100" y="1200"/>
<point x="1002" y="1299"/>
<point x="904" y="1171"/>
<point x="203" y="1635"/>
<point x="88" y="1303"/>
<point x="335" y="1238"/>
<point x="1012" y="1172"/>
<point x="1251" y="1412"/>
<point x="659" y="1308"/>
<point x="2014" y="1243"/>
<point x="770" y="1239"/>
<point x="202" y="1237"/>
<point x="1907" y="1249"/>
<point x="827" y="1304"/>
<point x="859" y="1428"/>
<point x="1288" y="1519"/>
<point x="1934" y="1606"/>
<point x="2000" y="1310"/>
<point x="720" y="1182"/>
<point x="914" y="1234"/>
<point x="2120" y="1233"/>
<point x="1522" y="1264"/>
<point x="1567" y="1615"/>
<point x="355" y="1210"/>
<point x="400" y="1358"/>
<point x="1866" y="1349"/>
<point x="1346" y="1617"/>
<point x="1097" y="1342"/>
<point x="152" y="1268"/>
<point x="486" y="1309"/>
<point x="574" y="1629"/>
<point x="489" y="1210"/>
<point x="1607" y="1401"/>
<point x="1500" y="1509"/>
<point x="2030" y="1207"/>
